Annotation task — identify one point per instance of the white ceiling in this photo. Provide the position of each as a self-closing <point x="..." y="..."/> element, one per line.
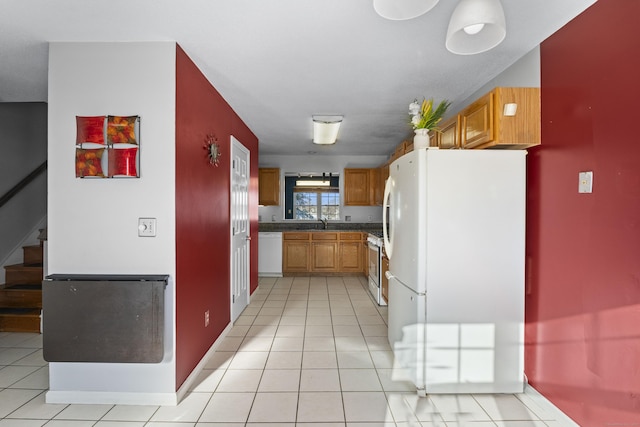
<point x="279" y="62"/>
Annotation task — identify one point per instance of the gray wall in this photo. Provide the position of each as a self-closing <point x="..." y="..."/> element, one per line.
<point x="23" y="147"/>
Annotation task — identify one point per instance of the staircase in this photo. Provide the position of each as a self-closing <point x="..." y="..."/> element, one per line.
<point x="21" y="295"/>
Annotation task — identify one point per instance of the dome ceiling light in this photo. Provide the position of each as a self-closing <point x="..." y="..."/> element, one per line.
<point x="475" y="27"/>
<point x="398" y="10"/>
<point x="325" y="129"/>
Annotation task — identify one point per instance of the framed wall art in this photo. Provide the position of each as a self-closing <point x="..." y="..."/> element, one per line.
<point x="107" y="147"/>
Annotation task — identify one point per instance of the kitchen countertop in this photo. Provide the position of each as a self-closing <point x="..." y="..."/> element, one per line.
<point x="365" y="227"/>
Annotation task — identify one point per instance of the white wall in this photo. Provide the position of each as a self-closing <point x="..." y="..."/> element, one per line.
<point x="321" y="164"/>
<point x="93" y="222"/>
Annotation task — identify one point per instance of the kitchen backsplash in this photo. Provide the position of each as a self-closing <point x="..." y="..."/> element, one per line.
<point x="317" y="225"/>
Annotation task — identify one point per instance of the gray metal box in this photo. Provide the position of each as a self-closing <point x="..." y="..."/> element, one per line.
<point x="103" y="318"/>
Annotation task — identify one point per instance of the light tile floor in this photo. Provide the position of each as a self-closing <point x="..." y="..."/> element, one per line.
<point x="307" y="352"/>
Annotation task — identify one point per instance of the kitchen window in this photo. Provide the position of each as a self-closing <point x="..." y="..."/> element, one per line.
<point x="312" y="197"/>
<point x="318" y="204"/>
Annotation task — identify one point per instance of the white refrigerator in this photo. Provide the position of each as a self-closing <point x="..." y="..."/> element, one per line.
<point x="454" y="232"/>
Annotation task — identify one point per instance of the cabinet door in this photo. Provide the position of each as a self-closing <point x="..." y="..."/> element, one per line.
<point x="449" y="135"/>
<point x="295" y="256"/>
<point x="384" y="286"/>
<point x="476" y="122"/>
<point x="269" y="186"/>
<point x="384" y="174"/>
<point x="356" y="187"/>
<point x="376" y="190"/>
<point x="521" y="127"/>
<point x="350" y="255"/>
<point x="324" y="256"/>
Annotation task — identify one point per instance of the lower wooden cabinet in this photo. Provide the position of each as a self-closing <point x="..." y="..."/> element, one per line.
<point x="295" y="252"/>
<point x="384" y="286"/>
<point x="322" y="252"/>
<point x="350" y="254"/>
<point x="295" y="257"/>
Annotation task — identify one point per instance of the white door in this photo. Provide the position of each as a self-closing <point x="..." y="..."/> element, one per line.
<point x="239" y="228"/>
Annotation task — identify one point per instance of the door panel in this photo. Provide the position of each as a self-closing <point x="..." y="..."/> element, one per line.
<point x="239" y="228"/>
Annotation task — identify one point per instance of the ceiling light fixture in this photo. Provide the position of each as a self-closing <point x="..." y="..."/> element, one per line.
<point x="325" y="129"/>
<point x="476" y="26"/>
<point x="316" y="183"/>
<point x="398" y="10"/>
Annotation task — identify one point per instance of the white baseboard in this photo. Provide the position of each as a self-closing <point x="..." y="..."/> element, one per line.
<point x="114" y="398"/>
<point x="132" y="398"/>
<point x="538" y="403"/>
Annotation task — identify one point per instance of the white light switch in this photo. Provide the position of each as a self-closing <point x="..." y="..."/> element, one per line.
<point x="585" y="182"/>
<point x="147" y="227"/>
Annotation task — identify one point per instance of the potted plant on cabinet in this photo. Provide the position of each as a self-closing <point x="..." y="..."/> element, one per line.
<point x="424" y="118"/>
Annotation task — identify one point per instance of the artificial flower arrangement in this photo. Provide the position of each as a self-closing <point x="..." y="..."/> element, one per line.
<point x="424" y="116"/>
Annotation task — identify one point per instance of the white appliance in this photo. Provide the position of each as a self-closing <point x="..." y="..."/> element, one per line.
<point x="270" y="254"/>
<point x="374" y="269"/>
<point x="455" y="242"/>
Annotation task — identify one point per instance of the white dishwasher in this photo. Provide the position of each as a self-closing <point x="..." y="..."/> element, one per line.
<point x="270" y="254"/>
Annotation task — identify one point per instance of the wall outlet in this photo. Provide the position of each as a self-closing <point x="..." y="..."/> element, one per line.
<point x="206" y="318"/>
<point x="585" y="182"/>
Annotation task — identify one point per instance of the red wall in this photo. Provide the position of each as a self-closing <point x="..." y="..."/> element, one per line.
<point x="583" y="287"/>
<point x="202" y="213"/>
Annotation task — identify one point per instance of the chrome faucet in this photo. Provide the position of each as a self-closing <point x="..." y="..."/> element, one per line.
<point x="325" y="222"/>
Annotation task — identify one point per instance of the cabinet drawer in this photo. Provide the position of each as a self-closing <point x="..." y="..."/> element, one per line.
<point x="295" y="236"/>
<point x="323" y="235"/>
<point x="350" y="236"/>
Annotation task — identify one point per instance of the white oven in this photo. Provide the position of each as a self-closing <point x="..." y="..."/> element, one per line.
<point x="375" y="267"/>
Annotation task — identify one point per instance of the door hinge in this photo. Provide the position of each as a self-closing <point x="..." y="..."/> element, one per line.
<point x="233" y="298"/>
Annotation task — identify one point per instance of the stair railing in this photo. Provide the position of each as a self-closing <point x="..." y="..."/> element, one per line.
<point x="23" y="183"/>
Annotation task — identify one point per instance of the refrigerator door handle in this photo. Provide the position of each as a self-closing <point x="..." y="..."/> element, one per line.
<point x="388" y="246"/>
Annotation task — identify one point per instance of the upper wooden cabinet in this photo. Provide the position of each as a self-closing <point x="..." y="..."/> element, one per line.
<point x="486" y="123"/>
<point x="357" y="187"/>
<point x="403" y="148"/>
<point x="363" y="187"/>
<point x="375" y="195"/>
<point x="269" y="186"/>
<point x="449" y="134"/>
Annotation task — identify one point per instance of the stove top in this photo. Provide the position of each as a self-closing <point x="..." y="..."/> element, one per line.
<point x="375" y="238"/>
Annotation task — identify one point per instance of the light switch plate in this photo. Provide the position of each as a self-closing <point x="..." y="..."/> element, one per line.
<point x="585" y="182"/>
<point x="147" y="227"/>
